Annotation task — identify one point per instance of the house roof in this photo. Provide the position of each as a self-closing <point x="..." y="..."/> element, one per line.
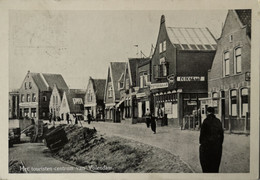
<point x="133" y="63"/>
<point x="186" y="38"/>
<point x="99" y="88"/>
<point x="75" y="98"/>
<point x="117" y="68"/>
<point x="244" y="16"/>
<point x="45" y="81"/>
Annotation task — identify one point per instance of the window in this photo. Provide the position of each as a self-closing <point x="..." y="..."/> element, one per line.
<point x="44" y="98"/>
<point x="25" y="85"/>
<point x="215" y="95"/>
<point x="33" y="97"/>
<point x="28" y="98"/>
<point x="33" y="112"/>
<point x="163" y="67"/>
<point x="110" y="91"/>
<point x="226" y="64"/>
<point x="120" y="85"/>
<point x="230" y="38"/>
<point x="127" y="83"/>
<point x="53" y="100"/>
<point x="164" y="46"/>
<point x="160" y="48"/>
<point x="56" y="100"/>
<point x="233" y="102"/>
<point x="238" y="62"/>
<point x="89" y="96"/>
<point x="143" y="79"/>
<point x="22" y="98"/>
<point x="244" y="101"/>
<point x="30" y="85"/>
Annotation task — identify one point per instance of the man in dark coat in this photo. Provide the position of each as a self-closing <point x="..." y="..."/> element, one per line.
<point x="211" y="140"/>
<point x="153" y="124"/>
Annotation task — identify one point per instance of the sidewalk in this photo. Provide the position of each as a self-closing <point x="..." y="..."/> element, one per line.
<point x="184" y="143"/>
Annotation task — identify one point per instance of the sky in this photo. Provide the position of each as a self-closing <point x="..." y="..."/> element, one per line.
<point x="79" y="44"/>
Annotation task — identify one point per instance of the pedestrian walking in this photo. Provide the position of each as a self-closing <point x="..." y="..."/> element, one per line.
<point x="153" y="124"/>
<point x="75" y="118"/>
<point x="211" y="140"/>
<point x="89" y="118"/>
<point x="148" y="118"/>
<point x="68" y="118"/>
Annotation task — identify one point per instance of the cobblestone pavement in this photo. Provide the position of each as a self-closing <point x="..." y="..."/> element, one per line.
<point x="235" y="157"/>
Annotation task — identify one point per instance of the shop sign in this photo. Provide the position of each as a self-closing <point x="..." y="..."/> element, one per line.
<point x="191" y="103"/>
<point x="171" y="79"/>
<point x="190" y="78"/>
<point x="77" y="101"/>
<point x="168" y="108"/>
<point x="28" y="104"/>
<point x="139" y="95"/>
<point x="159" y="85"/>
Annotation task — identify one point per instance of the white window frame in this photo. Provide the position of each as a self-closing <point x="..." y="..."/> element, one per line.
<point x="236" y="55"/>
<point x="241" y="99"/>
<point x="225" y="59"/>
<point x="230" y="102"/>
<point x="160" y="48"/>
<point x="164" y="67"/>
<point x="164" y="46"/>
<point x="110" y="91"/>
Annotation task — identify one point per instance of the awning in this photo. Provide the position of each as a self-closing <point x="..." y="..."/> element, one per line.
<point x="120" y="102"/>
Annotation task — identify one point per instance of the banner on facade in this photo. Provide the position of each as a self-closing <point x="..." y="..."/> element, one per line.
<point x="159" y="85"/>
<point x="28" y="104"/>
<point x="190" y="78"/>
<point x="139" y="95"/>
<point x="168" y="108"/>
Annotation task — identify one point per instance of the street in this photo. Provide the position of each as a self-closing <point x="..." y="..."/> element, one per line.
<point x="184" y="143"/>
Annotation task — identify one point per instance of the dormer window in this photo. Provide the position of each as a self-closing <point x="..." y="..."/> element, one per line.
<point x="121" y="82"/>
<point x="163" y="67"/>
<point x="162" y="47"/>
<point x="110" y="91"/>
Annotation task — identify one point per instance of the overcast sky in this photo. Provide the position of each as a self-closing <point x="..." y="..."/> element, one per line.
<point x="79" y="44"/>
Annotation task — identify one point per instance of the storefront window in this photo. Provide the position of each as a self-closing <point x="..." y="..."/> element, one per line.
<point x="233" y="102"/>
<point x="244" y="101"/>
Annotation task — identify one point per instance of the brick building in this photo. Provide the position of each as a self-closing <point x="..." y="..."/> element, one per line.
<point x="179" y="66"/>
<point x="112" y="90"/>
<point x="35" y="93"/>
<point x="94" y="98"/>
<point x="229" y="77"/>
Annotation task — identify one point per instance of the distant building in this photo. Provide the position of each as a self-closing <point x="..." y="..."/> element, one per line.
<point x="112" y="90"/>
<point x="13" y="104"/>
<point x="72" y="103"/>
<point x="229" y="76"/>
<point x="55" y="101"/>
<point x="35" y="93"/>
<point x="94" y="98"/>
<point x="128" y="101"/>
<point x="179" y="71"/>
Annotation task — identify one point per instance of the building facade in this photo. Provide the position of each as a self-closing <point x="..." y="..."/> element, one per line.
<point x="94" y="98"/>
<point x="112" y="91"/>
<point x="72" y="104"/>
<point x="179" y="66"/>
<point x="13" y="104"/>
<point x="229" y="77"/>
<point x="55" y="101"/>
<point x="35" y="93"/>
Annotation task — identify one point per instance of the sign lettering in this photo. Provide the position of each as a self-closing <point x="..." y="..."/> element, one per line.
<point x="159" y="85"/>
<point x="190" y="78"/>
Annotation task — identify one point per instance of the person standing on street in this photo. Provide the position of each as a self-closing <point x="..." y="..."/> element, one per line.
<point x="148" y="118"/>
<point x="89" y="118"/>
<point x="153" y="124"/>
<point x="211" y="140"/>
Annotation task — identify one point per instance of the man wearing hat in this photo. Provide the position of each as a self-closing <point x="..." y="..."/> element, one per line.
<point x="211" y="140"/>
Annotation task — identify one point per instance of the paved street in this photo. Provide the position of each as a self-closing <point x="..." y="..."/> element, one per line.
<point x="37" y="159"/>
<point x="184" y="143"/>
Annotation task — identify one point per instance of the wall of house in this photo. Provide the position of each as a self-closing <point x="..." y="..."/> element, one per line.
<point x="54" y="106"/>
<point x="30" y="91"/>
<point x="169" y="54"/>
<point x="218" y="82"/>
<point x="194" y="63"/>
